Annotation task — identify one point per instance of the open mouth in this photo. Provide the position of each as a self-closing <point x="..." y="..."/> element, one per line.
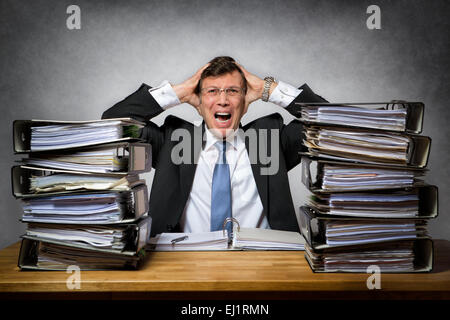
<point x="222" y="117"/>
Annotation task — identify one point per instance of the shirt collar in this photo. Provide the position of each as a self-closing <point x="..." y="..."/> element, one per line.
<point x="233" y="139"/>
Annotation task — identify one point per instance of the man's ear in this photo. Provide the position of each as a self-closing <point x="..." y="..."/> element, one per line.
<point x="199" y="110"/>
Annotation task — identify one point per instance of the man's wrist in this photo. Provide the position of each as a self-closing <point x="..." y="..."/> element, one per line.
<point x="283" y="94"/>
<point x="180" y="91"/>
<point x="165" y="95"/>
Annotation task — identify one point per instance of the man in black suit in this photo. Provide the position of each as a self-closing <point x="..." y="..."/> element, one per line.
<point x="190" y="192"/>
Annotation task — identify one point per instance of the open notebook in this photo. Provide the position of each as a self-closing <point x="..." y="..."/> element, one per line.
<point x="242" y="239"/>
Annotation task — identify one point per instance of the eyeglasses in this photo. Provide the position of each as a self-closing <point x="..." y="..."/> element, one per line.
<point x="214" y="92"/>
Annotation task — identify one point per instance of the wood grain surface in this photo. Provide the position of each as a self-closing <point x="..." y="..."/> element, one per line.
<point x="222" y="274"/>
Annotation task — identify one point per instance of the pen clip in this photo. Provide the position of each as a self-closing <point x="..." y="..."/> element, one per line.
<point x="179" y="239"/>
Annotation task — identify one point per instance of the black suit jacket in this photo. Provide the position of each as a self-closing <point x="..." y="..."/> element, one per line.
<point x="172" y="182"/>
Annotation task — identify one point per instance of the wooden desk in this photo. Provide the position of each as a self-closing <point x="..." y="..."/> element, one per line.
<point x="223" y="275"/>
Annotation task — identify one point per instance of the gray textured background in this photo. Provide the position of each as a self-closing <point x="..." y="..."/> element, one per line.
<point x="50" y="72"/>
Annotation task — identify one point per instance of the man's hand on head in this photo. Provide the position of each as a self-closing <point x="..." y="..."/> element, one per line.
<point x="255" y="87"/>
<point x="186" y="90"/>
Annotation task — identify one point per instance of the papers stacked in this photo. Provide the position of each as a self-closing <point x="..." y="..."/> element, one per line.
<point x="350" y="178"/>
<point x="393" y="116"/>
<point x="52" y="135"/>
<point x="369" y="204"/>
<point x="113" y="239"/>
<point x="89" y="236"/>
<point x="101" y="160"/>
<point x="383" y="205"/>
<point x="81" y="195"/>
<point x="115" y="158"/>
<point x="68" y="182"/>
<point x="356" y="116"/>
<point x="367" y="146"/>
<point x="51" y="256"/>
<point x="325" y="176"/>
<point x="361" y="232"/>
<point x="394" y="257"/>
<point x="79" y="208"/>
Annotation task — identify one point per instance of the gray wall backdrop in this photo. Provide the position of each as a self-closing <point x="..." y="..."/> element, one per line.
<point x="50" y="72"/>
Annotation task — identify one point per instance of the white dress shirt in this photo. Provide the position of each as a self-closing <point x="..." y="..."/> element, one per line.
<point x="246" y="204"/>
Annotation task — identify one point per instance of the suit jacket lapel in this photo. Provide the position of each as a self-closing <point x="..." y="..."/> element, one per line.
<point x="187" y="170"/>
<point x="260" y="180"/>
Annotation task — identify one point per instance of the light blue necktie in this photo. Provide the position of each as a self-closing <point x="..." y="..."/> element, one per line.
<point x="221" y="191"/>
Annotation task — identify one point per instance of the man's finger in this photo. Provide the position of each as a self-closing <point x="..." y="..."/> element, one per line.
<point x="199" y="72"/>
<point x="243" y="69"/>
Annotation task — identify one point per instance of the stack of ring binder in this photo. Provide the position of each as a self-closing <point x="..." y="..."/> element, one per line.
<point x="83" y="200"/>
<point x="369" y="205"/>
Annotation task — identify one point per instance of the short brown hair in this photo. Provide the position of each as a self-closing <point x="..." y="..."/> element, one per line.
<point x="219" y="66"/>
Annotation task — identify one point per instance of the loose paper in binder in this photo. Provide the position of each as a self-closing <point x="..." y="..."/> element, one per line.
<point x="403" y="256"/>
<point x="322" y="231"/>
<point x="45" y="255"/>
<point x="87" y="207"/>
<point x="30" y="181"/>
<point x="116" y="158"/>
<point x="419" y="202"/>
<point x="326" y="176"/>
<point x="367" y="146"/>
<point x="126" y="239"/>
<point x="45" y="135"/>
<point x="393" y="116"/>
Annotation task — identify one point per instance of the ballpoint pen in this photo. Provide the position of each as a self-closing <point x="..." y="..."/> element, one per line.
<point x="179" y="239"/>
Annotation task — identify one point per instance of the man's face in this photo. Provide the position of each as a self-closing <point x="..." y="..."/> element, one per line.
<point x="223" y="111"/>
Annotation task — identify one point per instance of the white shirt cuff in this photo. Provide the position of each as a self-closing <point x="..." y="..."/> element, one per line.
<point x="284" y="94"/>
<point x="165" y="95"/>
